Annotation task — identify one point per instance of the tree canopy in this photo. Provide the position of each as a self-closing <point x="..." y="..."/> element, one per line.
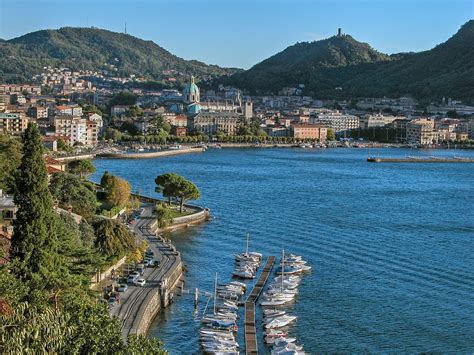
<point x="112" y="238"/>
<point x="174" y="186"/>
<point x="70" y="191"/>
<point x="83" y="168"/>
<point x="10" y="156"/>
<point x="117" y="190"/>
<point x="35" y="241"/>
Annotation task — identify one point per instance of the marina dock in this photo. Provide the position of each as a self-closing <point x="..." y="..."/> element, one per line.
<point x="420" y="160"/>
<point x="251" y="346"/>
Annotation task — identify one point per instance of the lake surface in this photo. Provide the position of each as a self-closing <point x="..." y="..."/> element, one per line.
<point x="391" y="245"/>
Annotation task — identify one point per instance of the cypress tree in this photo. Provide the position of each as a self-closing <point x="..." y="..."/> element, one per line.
<point x="34" y="241"/>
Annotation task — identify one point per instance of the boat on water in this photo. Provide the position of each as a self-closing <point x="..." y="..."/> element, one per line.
<point x="273" y="313"/>
<point x="282" y="341"/>
<point x="280" y="322"/>
<point x="290" y="349"/>
<point x="247" y="263"/>
<point x="276" y="291"/>
<point x="277" y="340"/>
<point x="248" y="255"/>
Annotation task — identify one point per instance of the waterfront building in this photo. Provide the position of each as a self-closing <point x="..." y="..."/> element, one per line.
<point x="13" y="123"/>
<point x="179" y="131"/>
<point x="421" y="131"/>
<point x="278" y="131"/>
<point x="337" y="121"/>
<point x="309" y="131"/>
<point x="211" y="123"/>
<point x="73" y="127"/>
<point x="377" y="120"/>
<point x="92" y="133"/>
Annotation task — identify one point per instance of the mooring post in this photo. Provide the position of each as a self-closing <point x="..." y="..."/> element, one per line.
<point x="196" y="297"/>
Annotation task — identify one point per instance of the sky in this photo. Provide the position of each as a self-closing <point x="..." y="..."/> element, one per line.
<point x="241" y="33"/>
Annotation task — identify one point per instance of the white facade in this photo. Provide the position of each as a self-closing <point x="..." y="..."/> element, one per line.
<point x="421" y="132"/>
<point x="336" y="120"/>
<point x="73" y="127"/>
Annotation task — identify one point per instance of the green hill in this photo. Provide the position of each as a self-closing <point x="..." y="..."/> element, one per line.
<point x="92" y="49"/>
<point x="343" y="62"/>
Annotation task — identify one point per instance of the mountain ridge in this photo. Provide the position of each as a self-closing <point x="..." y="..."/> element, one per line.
<point x="359" y="70"/>
<point x="92" y="49"/>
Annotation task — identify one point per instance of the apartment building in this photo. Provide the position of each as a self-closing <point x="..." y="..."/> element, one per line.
<point x="73" y="127"/>
<point x="309" y="131"/>
<point x="377" y="120"/>
<point x="337" y="121"/>
<point x="13" y="123"/>
<point x="421" y="131"/>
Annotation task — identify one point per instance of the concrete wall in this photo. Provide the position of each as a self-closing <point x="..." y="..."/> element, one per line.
<point x="159" y="298"/>
<point x="163" y="153"/>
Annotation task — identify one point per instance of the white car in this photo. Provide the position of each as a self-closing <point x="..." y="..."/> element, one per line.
<point x="140" y="282"/>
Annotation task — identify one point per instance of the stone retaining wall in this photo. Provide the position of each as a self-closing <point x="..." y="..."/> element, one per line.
<point x="163" y="153"/>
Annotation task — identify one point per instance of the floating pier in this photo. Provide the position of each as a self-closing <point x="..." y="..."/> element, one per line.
<point x="420" y="160"/>
<point x="251" y="346"/>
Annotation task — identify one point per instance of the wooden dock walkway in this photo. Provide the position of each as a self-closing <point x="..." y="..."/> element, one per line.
<point x="251" y="346"/>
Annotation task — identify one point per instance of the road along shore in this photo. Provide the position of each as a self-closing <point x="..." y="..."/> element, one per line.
<point x="140" y="305"/>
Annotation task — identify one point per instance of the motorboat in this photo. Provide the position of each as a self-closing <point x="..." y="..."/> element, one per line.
<point x="278" y="340"/>
<point x="275" y="333"/>
<point x="244" y="274"/>
<point x="275" y="291"/>
<point x="287" y="347"/>
<point x="273" y="314"/>
<point x="288" y="278"/>
<point x="273" y="302"/>
<point x="280" y="322"/>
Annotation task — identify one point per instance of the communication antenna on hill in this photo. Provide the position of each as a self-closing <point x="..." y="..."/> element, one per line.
<point x="125" y="27"/>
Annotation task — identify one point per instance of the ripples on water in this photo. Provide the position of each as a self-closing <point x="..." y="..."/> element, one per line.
<point x="391" y="245"/>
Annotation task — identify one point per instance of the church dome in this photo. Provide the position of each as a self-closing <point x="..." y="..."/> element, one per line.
<point x="191" y="91"/>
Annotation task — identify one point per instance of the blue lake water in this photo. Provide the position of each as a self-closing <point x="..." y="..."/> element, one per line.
<point x="391" y="245"/>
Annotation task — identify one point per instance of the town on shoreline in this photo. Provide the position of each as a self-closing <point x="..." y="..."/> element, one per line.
<point x="78" y="113"/>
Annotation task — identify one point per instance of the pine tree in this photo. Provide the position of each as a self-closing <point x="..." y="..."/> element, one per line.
<point x="34" y="241"/>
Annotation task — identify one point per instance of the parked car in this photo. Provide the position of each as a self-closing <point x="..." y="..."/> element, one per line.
<point x="141" y="268"/>
<point x="148" y="261"/>
<point x="140" y="282"/>
<point x="112" y="301"/>
<point x="135" y="274"/>
<point x="132" y="278"/>
<point x="122" y="288"/>
<point x="156" y="263"/>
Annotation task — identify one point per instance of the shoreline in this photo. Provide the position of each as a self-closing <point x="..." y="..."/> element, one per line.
<point x="140" y="306"/>
<point x="146" y="155"/>
<point x="188" y="149"/>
